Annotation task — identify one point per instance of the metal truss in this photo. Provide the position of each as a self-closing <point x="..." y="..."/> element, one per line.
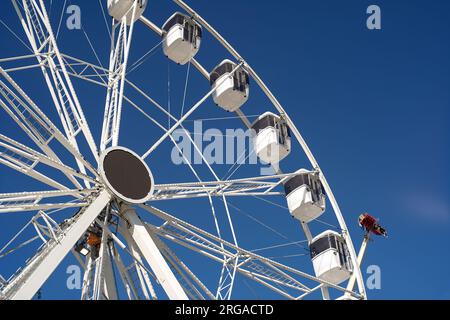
<point x="120" y="47"/>
<point x="33" y="201"/>
<point x="117" y="225"/>
<point x="33" y="121"/>
<point x="192" y="285"/>
<point x="257" y="186"/>
<point x="36" y="24"/>
<point x="152" y="255"/>
<point x="280" y="278"/>
<point x="25" y="159"/>
<point x="41" y="266"/>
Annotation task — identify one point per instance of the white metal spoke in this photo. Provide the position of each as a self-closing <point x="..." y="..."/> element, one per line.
<point x="88" y="277"/>
<point x="75" y="67"/>
<point x="203" y="71"/>
<point x="25" y="284"/>
<point x="120" y="47"/>
<point x="12" y="149"/>
<point x="228" y="280"/>
<point x="33" y="121"/>
<point x="124" y="275"/>
<point x="104" y="286"/>
<point x="188" y="113"/>
<point x="362" y="251"/>
<point x="186" y="277"/>
<point x="85" y="70"/>
<point x="296" y="133"/>
<point x="21" y="245"/>
<point x="255" y="266"/>
<point x="152" y="254"/>
<point x="23" y="167"/>
<point x="202" y="245"/>
<point x="98" y="75"/>
<point x="255" y="186"/>
<point x="36" y="23"/>
<point x="213" y="212"/>
<point x="229" y="275"/>
<point x="109" y="276"/>
<point x="45" y="227"/>
<point x="32" y="201"/>
<point x="225" y="268"/>
<point x="141" y="279"/>
<point x="136" y="275"/>
<point x="103" y="225"/>
<point x="168" y="194"/>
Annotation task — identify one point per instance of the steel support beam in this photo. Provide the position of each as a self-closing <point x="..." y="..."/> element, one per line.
<point x="25" y="285"/>
<point x="152" y="254"/>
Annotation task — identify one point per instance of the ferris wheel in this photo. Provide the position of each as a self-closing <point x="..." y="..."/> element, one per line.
<point x="114" y="225"/>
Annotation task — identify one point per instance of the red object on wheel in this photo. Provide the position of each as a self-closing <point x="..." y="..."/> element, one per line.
<point x="93" y="240"/>
<point x="370" y="224"/>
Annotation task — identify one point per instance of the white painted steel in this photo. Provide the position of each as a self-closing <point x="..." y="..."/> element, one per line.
<point x="57" y="69"/>
<point x="45" y="262"/>
<point x="296" y="133"/>
<point x="152" y="254"/>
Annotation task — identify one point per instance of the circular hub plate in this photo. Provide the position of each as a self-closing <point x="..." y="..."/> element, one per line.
<point x="126" y="175"/>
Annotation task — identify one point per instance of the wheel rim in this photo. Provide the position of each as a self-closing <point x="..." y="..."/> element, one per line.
<point x="89" y="182"/>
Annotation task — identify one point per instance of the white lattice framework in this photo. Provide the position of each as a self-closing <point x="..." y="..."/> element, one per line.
<point x="121" y="230"/>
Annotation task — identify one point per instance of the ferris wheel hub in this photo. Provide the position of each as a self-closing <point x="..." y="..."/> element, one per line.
<point x="126" y="175"/>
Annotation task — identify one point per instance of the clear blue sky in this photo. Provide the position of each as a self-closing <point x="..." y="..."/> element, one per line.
<point x="372" y="105"/>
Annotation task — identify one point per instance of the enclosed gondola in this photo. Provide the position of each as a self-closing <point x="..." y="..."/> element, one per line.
<point x="231" y="91"/>
<point x="272" y="138"/>
<point x="330" y="257"/>
<point x="305" y="196"/>
<point x="182" y="36"/>
<point x="112" y="186"/>
<point x="120" y="8"/>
